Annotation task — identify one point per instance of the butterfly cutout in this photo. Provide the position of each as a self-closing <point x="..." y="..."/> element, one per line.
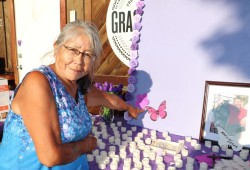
<point x="141" y="100"/>
<point x="154" y="114"/>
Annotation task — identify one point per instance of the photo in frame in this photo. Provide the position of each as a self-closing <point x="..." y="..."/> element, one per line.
<point x="225" y="117"/>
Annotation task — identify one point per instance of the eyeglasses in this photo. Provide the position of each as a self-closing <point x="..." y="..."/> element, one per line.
<point x="88" y="57"/>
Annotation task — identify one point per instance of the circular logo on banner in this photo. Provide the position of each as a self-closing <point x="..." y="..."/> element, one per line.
<point x="119" y="25"/>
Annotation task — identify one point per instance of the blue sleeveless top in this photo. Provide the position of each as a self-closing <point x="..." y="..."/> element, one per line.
<point x="17" y="151"/>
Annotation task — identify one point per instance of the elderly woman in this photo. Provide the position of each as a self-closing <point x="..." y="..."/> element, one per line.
<point x="48" y="126"/>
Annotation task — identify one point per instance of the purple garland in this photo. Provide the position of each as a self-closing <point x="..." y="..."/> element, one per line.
<point x="133" y="63"/>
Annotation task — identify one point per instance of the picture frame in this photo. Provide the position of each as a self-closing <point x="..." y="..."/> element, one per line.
<point x="226" y="108"/>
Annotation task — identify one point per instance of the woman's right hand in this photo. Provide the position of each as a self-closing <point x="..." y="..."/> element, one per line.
<point x="89" y="143"/>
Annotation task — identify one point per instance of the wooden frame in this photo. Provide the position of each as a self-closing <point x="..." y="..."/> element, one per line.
<point x="226" y="106"/>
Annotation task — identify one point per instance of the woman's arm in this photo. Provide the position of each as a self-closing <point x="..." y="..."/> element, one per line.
<point x="96" y="97"/>
<point x="35" y="102"/>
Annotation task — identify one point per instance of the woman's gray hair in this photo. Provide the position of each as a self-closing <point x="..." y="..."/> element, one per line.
<point x="75" y="29"/>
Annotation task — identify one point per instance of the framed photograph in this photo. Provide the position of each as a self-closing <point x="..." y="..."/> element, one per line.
<point x="226" y="113"/>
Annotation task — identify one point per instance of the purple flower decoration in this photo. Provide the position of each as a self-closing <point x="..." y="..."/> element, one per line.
<point x="131" y="80"/>
<point x="129" y="96"/>
<point x="19" y="42"/>
<point x="134" y="46"/>
<point x="137" y="26"/>
<point x="139" y="11"/>
<point x="137" y="18"/>
<point x="131" y="70"/>
<point x="135" y="39"/>
<point x="136" y="33"/>
<point x="140" y="4"/>
<point x="131" y="88"/>
<point x="129" y="102"/>
<point x="134" y="54"/>
<point x="133" y="63"/>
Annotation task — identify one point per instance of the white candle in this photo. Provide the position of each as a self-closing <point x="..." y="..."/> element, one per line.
<point x="244" y="154"/>
<point x="147" y="167"/>
<point x="179" y="163"/>
<point x="184" y="152"/>
<point x="125" y="143"/>
<point x="229" y="152"/>
<point x="138" y="165"/>
<point x="215" y="148"/>
<point x="129" y="132"/>
<point x="203" y="166"/>
<point x="152" y="156"/>
<point x="189" y="166"/>
<point x="106" y="160"/>
<point x="116" y="158"/>
<point x="177" y="157"/>
<point x="158" y="159"/>
<point x="117" y="135"/>
<point x="111" y="153"/>
<point x="105" y="136"/>
<point x="90" y="157"/>
<point x="123" y="154"/>
<point x="101" y="165"/>
<point x="96" y="152"/>
<point x="136" y="139"/>
<point x="171" y="168"/>
<point x="113" y="165"/>
<point x="119" y="123"/>
<point x="148" y="141"/>
<point x="161" y="166"/>
<point x="111" y="139"/>
<point x="208" y="144"/>
<point x="134" y="128"/>
<point x="112" y="125"/>
<point x="123" y="129"/>
<point x="168" y="138"/>
<point x="145" y="131"/>
<point x="124" y="136"/>
<point x="193" y="142"/>
<point x="224" y="147"/>
<point x="98" y="158"/>
<point x="188" y="138"/>
<point x="112" y="148"/>
<point x="103" y="153"/>
<point x="145" y="161"/>
<point x="127" y="161"/>
<point x="164" y="134"/>
<point x="190" y="160"/>
<point x="197" y="146"/>
<point x="153" y="132"/>
<point x="136" y="159"/>
<point x="126" y="167"/>
<point x="129" y="139"/>
<point x="181" y="141"/>
<point x="102" y="145"/>
<point x="117" y="141"/>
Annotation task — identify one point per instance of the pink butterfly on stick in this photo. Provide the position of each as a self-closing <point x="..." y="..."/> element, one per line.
<point x="154" y="114"/>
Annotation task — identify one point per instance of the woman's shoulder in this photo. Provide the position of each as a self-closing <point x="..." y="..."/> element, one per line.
<point x="34" y="78"/>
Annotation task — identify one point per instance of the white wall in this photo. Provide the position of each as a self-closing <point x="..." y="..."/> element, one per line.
<point x="183" y="44"/>
<point x="37" y="26"/>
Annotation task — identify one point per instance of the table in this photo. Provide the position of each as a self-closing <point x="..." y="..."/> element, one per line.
<point x="168" y="159"/>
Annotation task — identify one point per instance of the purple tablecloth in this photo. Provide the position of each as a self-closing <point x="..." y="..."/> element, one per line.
<point x="168" y="159"/>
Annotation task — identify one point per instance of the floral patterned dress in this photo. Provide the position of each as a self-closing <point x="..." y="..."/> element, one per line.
<point x="17" y="151"/>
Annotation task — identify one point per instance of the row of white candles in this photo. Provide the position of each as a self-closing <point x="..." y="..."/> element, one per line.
<point x="138" y="145"/>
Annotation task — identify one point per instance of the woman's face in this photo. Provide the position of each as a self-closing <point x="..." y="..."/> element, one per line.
<point x="72" y="61"/>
